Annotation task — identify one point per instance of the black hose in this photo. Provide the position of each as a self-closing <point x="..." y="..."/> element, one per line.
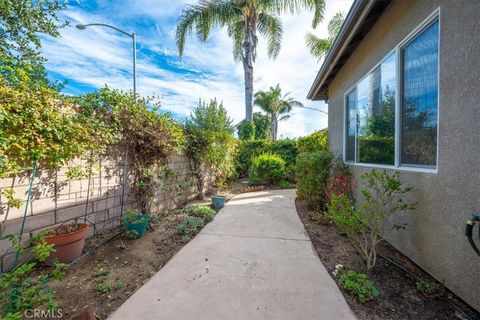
<point x="475" y="217"/>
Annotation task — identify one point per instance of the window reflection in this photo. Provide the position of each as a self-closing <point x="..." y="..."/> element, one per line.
<point x="376" y="114"/>
<point x="420" y="99"/>
<point x="351" y="119"/>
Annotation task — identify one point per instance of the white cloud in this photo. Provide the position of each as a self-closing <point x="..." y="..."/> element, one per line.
<point x="99" y="56"/>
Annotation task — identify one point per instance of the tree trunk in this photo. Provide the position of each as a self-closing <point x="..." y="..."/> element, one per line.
<point x="248" y="91"/>
<point x="249" y="53"/>
<point x="274" y="126"/>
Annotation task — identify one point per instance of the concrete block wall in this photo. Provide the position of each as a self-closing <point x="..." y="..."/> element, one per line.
<point x="57" y="199"/>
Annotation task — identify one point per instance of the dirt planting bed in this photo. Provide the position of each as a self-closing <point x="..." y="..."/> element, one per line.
<point x="118" y="268"/>
<point x="399" y="298"/>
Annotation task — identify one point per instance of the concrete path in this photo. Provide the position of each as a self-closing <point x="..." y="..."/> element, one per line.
<point x="254" y="261"/>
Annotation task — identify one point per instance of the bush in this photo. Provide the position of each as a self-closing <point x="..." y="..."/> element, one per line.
<point x="268" y="169"/>
<point x="317" y="141"/>
<point x="246" y="130"/>
<point x="246" y="152"/>
<point x="313" y="171"/>
<point x="383" y="196"/>
<point x="263" y="126"/>
<point x="203" y="212"/>
<point x="287" y="150"/>
<point x="358" y="285"/>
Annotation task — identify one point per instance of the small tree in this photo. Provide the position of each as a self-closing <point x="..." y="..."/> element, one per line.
<point x="210" y="140"/>
<point x="384" y="195"/>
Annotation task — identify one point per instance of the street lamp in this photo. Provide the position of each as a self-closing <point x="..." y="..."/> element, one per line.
<point x="134" y="39"/>
<point x="131" y="35"/>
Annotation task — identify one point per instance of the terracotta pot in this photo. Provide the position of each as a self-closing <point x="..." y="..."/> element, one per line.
<point x="68" y="247"/>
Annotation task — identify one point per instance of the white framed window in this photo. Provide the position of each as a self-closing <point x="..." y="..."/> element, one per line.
<point x="391" y="114"/>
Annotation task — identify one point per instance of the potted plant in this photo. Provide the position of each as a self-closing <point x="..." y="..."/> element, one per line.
<point x="135" y="223"/>
<point x="218" y="201"/>
<point x="68" y="241"/>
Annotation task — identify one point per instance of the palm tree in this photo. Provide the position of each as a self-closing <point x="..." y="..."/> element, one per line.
<point x="319" y="47"/>
<point x="276" y="105"/>
<point x="243" y="19"/>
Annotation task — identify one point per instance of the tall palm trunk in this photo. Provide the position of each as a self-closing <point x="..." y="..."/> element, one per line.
<point x="274" y="126"/>
<point x="249" y="53"/>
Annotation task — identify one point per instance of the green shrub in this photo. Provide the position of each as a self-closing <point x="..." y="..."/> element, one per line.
<point x="263" y="126"/>
<point x="246" y="130"/>
<point x="287" y="150"/>
<point x="317" y="141"/>
<point x="384" y="195"/>
<point x="313" y="171"/>
<point x="268" y="169"/>
<point x="246" y="152"/>
<point x="205" y="213"/>
<point x="358" y="285"/>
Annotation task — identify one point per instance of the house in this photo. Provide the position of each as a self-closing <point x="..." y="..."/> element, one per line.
<point x="402" y="82"/>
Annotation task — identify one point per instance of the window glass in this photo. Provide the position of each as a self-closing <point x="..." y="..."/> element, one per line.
<point x="376" y="114"/>
<point x="351" y="125"/>
<point x="420" y="99"/>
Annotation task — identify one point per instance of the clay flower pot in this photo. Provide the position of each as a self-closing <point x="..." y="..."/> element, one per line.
<point x="68" y="246"/>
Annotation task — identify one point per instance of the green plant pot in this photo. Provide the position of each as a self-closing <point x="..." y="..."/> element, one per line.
<point x="137" y="227"/>
<point x="218" y="202"/>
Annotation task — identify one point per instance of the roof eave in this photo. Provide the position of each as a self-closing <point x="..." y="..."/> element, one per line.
<point x="355" y="17"/>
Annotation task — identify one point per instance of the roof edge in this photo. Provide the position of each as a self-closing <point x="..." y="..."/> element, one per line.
<point x="355" y="17"/>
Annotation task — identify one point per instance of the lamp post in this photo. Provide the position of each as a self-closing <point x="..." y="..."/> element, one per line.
<point x="134" y="40"/>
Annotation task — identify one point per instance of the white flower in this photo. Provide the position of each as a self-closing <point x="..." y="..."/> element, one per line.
<point x="338" y="267"/>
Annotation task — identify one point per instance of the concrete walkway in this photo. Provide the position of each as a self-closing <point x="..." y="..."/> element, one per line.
<point x="254" y="261"/>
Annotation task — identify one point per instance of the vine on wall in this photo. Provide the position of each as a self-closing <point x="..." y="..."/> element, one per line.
<point x="149" y="136"/>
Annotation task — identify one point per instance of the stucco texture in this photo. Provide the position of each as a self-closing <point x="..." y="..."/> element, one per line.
<point x="435" y="237"/>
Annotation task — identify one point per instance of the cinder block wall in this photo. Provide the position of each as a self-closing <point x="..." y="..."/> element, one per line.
<point x="56" y="198"/>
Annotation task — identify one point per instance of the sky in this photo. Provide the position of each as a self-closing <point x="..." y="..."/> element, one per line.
<point x="93" y="58"/>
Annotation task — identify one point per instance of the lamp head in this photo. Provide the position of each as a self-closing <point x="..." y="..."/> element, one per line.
<point x="81" y="26"/>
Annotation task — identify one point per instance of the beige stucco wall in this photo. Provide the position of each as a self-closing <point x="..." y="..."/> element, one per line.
<point x="434" y="237"/>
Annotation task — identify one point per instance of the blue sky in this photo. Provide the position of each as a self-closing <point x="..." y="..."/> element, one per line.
<point x="95" y="57"/>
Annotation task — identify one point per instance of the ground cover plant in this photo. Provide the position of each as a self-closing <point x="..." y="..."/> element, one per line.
<point x="358" y="285"/>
